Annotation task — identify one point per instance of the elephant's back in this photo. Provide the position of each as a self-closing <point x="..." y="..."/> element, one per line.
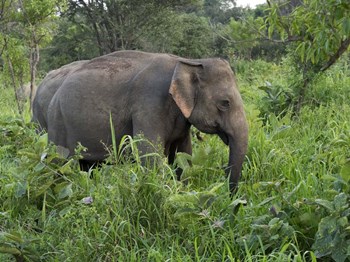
<point x="122" y="64"/>
<point x="54" y="79"/>
<point x="47" y="89"/>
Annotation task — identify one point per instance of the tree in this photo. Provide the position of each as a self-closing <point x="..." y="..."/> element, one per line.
<point x="244" y="35"/>
<point x="222" y="11"/>
<point x="122" y="24"/>
<point x="87" y="30"/>
<point x="12" y="49"/>
<point x="36" y="17"/>
<point x="187" y="35"/>
<point x="240" y="34"/>
<point x="72" y="41"/>
<point x="25" y="26"/>
<point x="319" y="31"/>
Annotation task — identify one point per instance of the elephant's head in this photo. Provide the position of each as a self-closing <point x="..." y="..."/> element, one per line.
<point x="206" y="92"/>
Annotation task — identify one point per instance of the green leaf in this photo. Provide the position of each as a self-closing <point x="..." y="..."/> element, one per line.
<point x="182" y="160"/>
<point x="199" y="156"/>
<point x="66" y="168"/>
<point x="186" y="211"/>
<point x="275" y="222"/>
<point x="267" y="200"/>
<point x="301" y="50"/>
<point x="114" y="143"/>
<point x="14" y="236"/>
<point x="205" y="200"/>
<point x="309" y="219"/>
<point x="329" y="177"/>
<point x="345" y="171"/>
<point x="282" y="133"/>
<point x="65" y="192"/>
<point x="9" y="250"/>
<point x="265" y="88"/>
<point x="339" y="253"/>
<point x="343" y="221"/>
<point x="313" y="256"/>
<point x="340" y="202"/>
<point x="346" y="25"/>
<point x="216" y="187"/>
<point x="42" y="189"/>
<point x="237" y="202"/>
<point x="65" y="211"/>
<point x="183" y="199"/>
<point x="20" y="189"/>
<point x="325" y="203"/>
<point x="347" y="229"/>
<point x="324" y="239"/>
<point x="40" y="166"/>
<point x="42" y="141"/>
<point x="43" y="156"/>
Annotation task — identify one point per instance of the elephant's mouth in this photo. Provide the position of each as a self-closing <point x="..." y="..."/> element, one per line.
<point x="223" y="137"/>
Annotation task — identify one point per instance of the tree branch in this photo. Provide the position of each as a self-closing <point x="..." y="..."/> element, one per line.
<point x="262" y="38"/>
<point x="342" y="48"/>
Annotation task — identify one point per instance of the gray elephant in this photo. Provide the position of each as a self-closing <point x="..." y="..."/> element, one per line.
<point x="157" y="95"/>
<point x="48" y="88"/>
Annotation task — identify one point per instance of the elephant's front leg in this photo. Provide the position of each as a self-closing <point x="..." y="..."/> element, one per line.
<point x="181" y="145"/>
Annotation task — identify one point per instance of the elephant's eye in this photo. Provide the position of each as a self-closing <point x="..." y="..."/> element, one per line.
<point x="223" y="105"/>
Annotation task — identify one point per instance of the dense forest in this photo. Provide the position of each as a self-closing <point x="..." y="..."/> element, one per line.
<point x="292" y="62"/>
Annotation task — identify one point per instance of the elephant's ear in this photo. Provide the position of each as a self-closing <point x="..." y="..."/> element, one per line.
<point x="184" y="84"/>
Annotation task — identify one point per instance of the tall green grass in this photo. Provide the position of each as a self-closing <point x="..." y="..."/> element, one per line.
<point x="292" y="203"/>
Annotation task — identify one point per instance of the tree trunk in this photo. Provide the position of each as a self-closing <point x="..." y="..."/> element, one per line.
<point x="301" y="96"/>
<point x="13" y="79"/>
<point x="34" y="60"/>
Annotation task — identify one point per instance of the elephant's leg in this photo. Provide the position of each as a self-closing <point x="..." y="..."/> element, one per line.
<point x="182" y="145"/>
<point x="86" y="165"/>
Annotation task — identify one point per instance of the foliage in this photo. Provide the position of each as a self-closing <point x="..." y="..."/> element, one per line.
<point x="26" y="26"/>
<point x="196" y="38"/>
<point x="244" y="35"/>
<point x="188" y="35"/>
<point x="87" y="30"/>
<point x="12" y="50"/>
<point x="221" y="11"/>
<point x="270" y="94"/>
<point x="332" y="237"/>
<point x="275" y="88"/>
<point x="321" y="29"/>
<point x="72" y="42"/>
<point x="16" y="55"/>
<point x="118" y="25"/>
<point x="278" y="100"/>
<point x="319" y="32"/>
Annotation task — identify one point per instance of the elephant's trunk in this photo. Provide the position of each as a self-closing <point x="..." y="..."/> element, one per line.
<point x="238" y="143"/>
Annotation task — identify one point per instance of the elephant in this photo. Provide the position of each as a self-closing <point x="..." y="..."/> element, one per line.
<point x="157" y="95"/>
<point x="47" y="89"/>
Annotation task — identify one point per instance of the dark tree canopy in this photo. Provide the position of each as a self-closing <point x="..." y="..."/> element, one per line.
<point x="121" y="24"/>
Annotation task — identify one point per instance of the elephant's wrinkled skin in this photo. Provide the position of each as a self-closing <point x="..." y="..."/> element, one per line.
<point x="157" y="95"/>
<point x="48" y="88"/>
